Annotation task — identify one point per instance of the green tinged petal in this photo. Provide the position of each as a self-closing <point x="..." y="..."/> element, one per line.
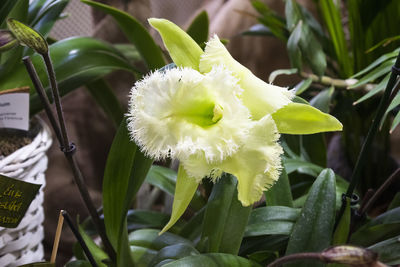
<point x="184" y="191"/>
<point x="258" y="96"/>
<point x="296" y="118"/>
<point x="184" y="51"/>
<point x="257" y="164"/>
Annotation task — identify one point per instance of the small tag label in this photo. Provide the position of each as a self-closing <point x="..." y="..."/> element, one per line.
<point x="15" y="198"/>
<point x="14" y="108"/>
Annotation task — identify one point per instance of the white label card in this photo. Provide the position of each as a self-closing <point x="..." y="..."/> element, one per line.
<point x="14" y="109"/>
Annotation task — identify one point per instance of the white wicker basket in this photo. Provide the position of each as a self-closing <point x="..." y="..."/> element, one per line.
<point x="23" y="244"/>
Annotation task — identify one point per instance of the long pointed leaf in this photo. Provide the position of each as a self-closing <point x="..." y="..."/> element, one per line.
<point x="312" y="231"/>
<point x="136" y="33"/>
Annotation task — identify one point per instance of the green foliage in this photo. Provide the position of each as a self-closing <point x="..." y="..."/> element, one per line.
<point x="312" y="231"/>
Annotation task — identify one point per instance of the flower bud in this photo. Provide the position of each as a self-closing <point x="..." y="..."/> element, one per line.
<point x="349" y="255"/>
<point x="28" y="36"/>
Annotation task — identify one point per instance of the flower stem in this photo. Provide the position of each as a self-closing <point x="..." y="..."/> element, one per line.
<point x="67" y="147"/>
<point x="361" y="161"/>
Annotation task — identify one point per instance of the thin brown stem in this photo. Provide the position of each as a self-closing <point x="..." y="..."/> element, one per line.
<point x="69" y="149"/>
<point x="381" y="189"/>
<point x="43" y="97"/>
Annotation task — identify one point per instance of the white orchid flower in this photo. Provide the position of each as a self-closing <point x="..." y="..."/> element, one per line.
<point x="215" y="116"/>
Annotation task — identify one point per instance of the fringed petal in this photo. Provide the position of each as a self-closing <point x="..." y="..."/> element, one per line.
<point x="258" y="96"/>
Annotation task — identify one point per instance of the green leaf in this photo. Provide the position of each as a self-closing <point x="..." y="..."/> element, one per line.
<point x="185" y="189"/>
<point x="150" y="238"/>
<point x="382" y="227"/>
<point x="312" y="231"/>
<point x="165" y="179"/>
<point x="302" y="86"/>
<point x="28" y="36"/>
<point x="5" y="8"/>
<point x="173" y="252"/>
<point x="136" y="33"/>
<point x="129" y="167"/>
<point x="322" y="100"/>
<point x="77" y="61"/>
<point x="343" y="228"/>
<point x="212" y="260"/>
<point x="97" y="253"/>
<point x="395" y="202"/>
<point x="258" y="30"/>
<point x="388" y="250"/>
<point x="192" y="229"/>
<point x="383" y="69"/>
<point x="378" y="88"/>
<point x="183" y="50"/>
<point x="217" y="214"/>
<point x="280" y="194"/>
<point x="395" y="122"/>
<point x="293" y="46"/>
<point x="293" y="14"/>
<point x="49" y="14"/>
<point x="377" y="62"/>
<point x="331" y="15"/>
<point x="198" y="29"/>
<point x="276" y="73"/>
<point x="296" y="118"/>
<point x="272" y="220"/>
<point x="138" y="219"/>
<point x="105" y="97"/>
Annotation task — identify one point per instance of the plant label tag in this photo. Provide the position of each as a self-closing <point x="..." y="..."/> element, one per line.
<point x="15" y="198"/>
<point x="14" y="108"/>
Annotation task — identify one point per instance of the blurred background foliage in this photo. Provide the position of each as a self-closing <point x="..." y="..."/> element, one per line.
<point x="343" y="52"/>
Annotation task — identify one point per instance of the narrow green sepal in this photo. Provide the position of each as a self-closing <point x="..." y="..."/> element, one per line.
<point x="184" y="191"/>
<point x="7" y="40"/>
<point x="183" y="50"/>
<point x="28" y="36"/>
<point x="296" y="118"/>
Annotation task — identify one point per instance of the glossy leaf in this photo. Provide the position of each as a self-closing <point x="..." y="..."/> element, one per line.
<point x="271" y="220"/>
<point x="302" y="86"/>
<point x="312" y="231"/>
<point x="383" y="69"/>
<point x="129" y="167"/>
<point x="49" y="14"/>
<point x="78" y="263"/>
<point x="388" y="250"/>
<point x="165" y="179"/>
<point x="293" y="46"/>
<point x="216" y="214"/>
<point x="343" y="228"/>
<point x="139" y="219"/>
<point x="377" y="62"/>
<point x="107" y="100"/>
<point x="184" y="190"/>
<point x="378" y="229"/>
<point x="97" y="253"/>
<point x="173" y="252"/>
<point x="198" y="29"/>
<point x="150" y="238"/>
<point x="136" y="33"/>
<point x="212" y="260"/>
<point x="395" y="122"/>
<point x="280" y="194"/>
<point x="258" y="30"/>
<point x="77" y="61"/>
<point x="333" y="21"/>
<point x="296" y="118"/>
<point x="183" y="50"/>
<point x="323" y="99"/>
<point x="380" y="87"/>
<point x="5" y="8"/>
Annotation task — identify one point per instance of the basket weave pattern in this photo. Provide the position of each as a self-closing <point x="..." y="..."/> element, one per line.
<point x="23" y="244"/>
